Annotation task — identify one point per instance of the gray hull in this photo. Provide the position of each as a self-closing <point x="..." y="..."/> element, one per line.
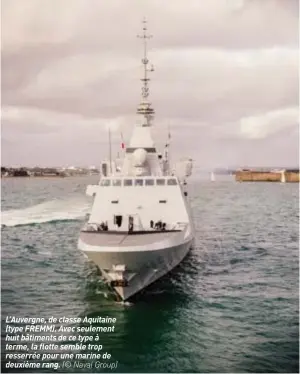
<point x="128" y="262"/>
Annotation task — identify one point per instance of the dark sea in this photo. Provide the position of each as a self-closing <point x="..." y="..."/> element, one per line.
<point x="231" y="306"/>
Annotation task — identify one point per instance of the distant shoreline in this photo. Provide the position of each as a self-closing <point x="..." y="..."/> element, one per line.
<point x="46" y="176"/>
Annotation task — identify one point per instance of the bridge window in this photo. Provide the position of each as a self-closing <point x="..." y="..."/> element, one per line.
<point x="105" y="182"/>
<point x="127" y="182"/>
<point x="139" y="182"/>
<point x="149" y="182"/>
<point x="172" y="182"/>
<point x="116" y="182"/>
<point x="160" y="182"/>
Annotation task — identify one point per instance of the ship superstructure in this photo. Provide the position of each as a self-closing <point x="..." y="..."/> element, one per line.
<point x="140" y="226"/>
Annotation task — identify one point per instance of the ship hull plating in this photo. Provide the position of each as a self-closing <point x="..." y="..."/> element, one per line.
<point x="135" y="268"/>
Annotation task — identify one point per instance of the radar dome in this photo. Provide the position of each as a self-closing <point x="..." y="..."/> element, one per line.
<point x="139" y="157"/>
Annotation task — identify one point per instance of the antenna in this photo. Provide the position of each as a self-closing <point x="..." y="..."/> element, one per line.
<point x="167" y="150"/>
<point x="109" y="140"/>
<point x="145" y="107"/>
<point x="169" y="144"/>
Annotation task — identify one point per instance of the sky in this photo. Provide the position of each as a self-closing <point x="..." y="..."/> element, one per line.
<point x="225" y="79"/>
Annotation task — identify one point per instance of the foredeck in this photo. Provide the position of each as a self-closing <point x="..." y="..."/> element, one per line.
<point x="124" y="239"/>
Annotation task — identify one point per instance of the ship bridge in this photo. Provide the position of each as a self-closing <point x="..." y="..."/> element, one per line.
<point x="145" y="199"/>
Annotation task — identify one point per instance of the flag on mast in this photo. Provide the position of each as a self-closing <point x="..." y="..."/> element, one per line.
<point x="122" y="141"/>
<point x="169" y="136"/>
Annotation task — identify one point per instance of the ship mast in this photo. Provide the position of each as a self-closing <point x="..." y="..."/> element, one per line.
<point x="109" y="140"/>
<point x="144" y="107"/>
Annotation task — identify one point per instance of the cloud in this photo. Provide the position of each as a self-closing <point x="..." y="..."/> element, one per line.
<point x="208" y="77"/>
<point x="29" y="121"/>
<point x="260" y="127"/>
<point x="226" y="72"/>
<point x="214" y="23"/>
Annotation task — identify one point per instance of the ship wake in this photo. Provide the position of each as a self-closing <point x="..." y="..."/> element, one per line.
<point x="74" y="208"/>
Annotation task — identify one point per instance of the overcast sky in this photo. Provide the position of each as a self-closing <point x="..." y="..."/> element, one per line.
<point x="225" y="79"/>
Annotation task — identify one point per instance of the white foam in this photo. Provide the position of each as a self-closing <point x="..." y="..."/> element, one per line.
<point x="124" y="303"/>
<point x="55" y="210"/>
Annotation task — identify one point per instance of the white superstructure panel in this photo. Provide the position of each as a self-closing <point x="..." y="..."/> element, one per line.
<point x="145" y="203"/>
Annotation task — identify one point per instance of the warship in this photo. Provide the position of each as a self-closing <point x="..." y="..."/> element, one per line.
<point x="140" y="226"/>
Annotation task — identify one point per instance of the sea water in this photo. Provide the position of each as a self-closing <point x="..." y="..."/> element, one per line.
<point x="231" y="306"/>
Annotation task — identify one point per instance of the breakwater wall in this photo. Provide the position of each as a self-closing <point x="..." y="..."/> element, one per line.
<point x="271" y="176"/>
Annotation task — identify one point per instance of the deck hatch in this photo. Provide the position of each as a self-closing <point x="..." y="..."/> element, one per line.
<point x="162" y="201"/>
